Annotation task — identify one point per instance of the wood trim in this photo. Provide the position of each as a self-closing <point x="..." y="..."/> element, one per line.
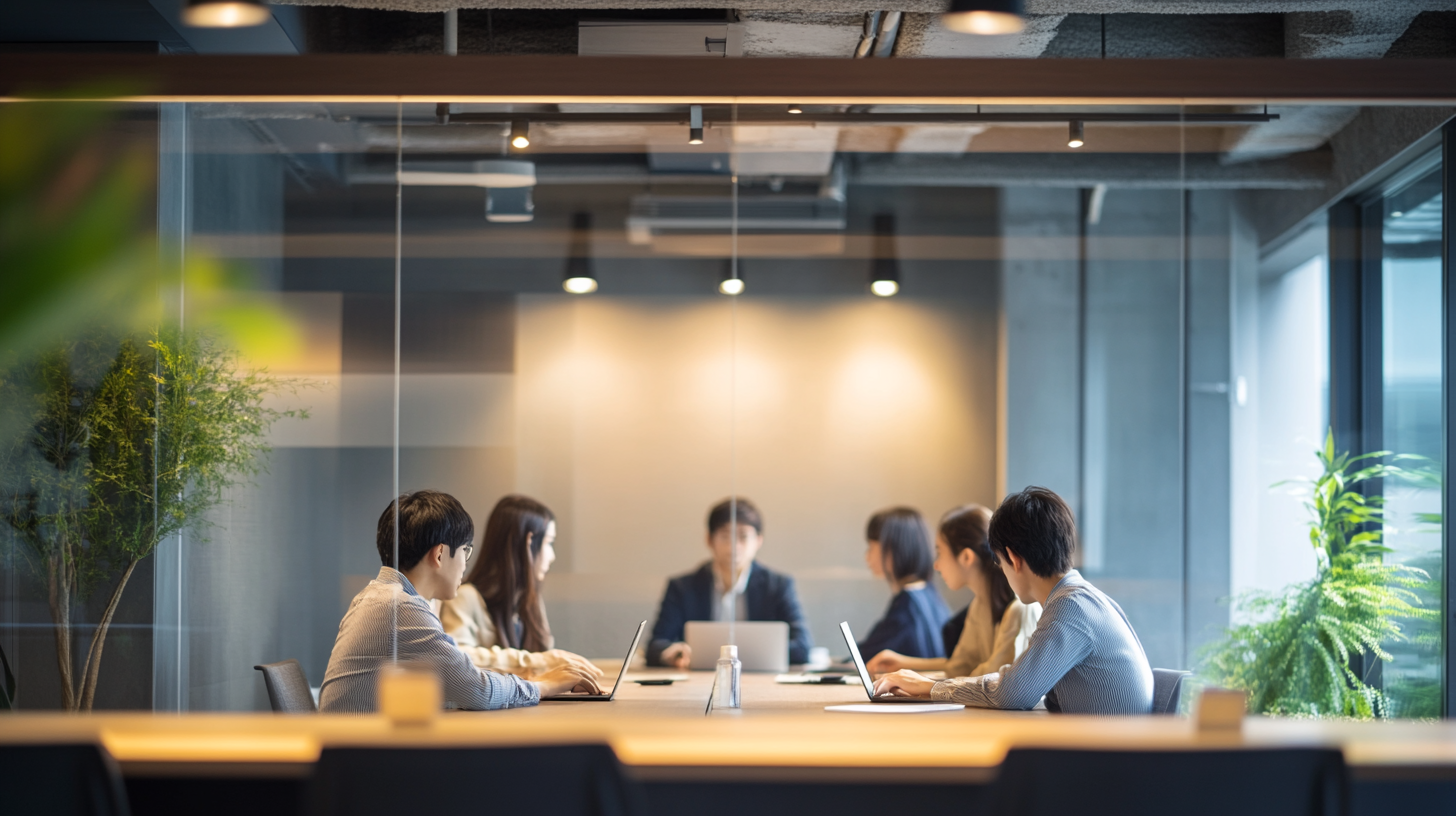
<point x="549" y="79"/>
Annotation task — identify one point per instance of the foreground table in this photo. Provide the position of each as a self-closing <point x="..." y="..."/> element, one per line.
<point x="781" y="747"/>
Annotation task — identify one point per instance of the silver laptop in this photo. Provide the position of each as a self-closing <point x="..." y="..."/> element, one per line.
<point x="763" y="646"/>
<point x="607" y="697"/>
<point x="864" y="673"/>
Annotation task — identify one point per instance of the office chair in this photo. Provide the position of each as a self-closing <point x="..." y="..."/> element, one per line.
<point x="60" y="780"/>
<point x="1254" y="782"/>
<point x="288" y="689"/>
<point x="1167" y="689"/>
<point x="581" y="780"/>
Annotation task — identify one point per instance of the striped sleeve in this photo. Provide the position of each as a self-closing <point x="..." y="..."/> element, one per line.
<point x="1054" y="651"/>
<point x="422" y="638"/>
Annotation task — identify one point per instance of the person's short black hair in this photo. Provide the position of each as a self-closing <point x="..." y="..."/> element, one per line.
<point x="1038" y="526"/>
<point x="430" y="518"/>
<point x="722" y="513"/>
<point x="905" y="540"/>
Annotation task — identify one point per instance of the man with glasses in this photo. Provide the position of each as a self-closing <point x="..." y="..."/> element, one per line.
<point x="391" y="619"/>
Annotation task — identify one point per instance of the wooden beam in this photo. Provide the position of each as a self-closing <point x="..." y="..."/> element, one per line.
<point x="552" y="79"/>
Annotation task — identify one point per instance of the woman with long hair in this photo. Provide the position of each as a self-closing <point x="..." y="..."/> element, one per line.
<point x="994" y="628"/>
<point x="499" y="617"/>
<point x="899" y="552"/>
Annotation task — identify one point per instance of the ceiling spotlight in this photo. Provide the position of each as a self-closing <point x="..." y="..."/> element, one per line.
<point x="796" y="109"/>
<point x="984" y="16"/>
<point x="578" y="278"/>
<point x="225" y="13"/>
<point x="885" y="268"/>
<point x="732" y="282"/>
<point x="695" y="125"/>
<point x="1075" y="136"/>
<point x="520" y="134"/>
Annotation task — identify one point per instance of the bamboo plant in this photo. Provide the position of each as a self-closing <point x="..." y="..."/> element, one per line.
<point x="129" y="440"/>
<point x="1295" y="655"/>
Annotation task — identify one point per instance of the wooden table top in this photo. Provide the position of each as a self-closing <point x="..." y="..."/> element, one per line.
<point x="781" y="733"/>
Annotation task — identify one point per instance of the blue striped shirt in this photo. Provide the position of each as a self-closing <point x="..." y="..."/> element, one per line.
<point x="390" y="608"/>
<point x="1084" y="652"/>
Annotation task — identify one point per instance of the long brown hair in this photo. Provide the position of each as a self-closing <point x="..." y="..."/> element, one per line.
<point x="505" y="572"/>
<point x="966" y="528"/>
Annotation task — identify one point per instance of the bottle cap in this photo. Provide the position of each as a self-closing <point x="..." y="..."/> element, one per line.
<point x="728" y="652"/>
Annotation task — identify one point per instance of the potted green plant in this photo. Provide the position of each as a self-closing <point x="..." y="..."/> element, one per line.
<point x="127" y="440"/>
<point x="1294" y="656"/>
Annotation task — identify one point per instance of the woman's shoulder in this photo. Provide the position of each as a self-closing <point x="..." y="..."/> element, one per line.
<point x="467" y="599"/>
<point x="1014" y="611"/>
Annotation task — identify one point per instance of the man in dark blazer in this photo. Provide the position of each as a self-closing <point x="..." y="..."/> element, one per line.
<point x="703" y="595"/>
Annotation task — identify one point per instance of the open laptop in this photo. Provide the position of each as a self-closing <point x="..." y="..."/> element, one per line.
<point x="607" y="697"/>
<point x="763" y="646"/>
<point x="864" y="673"/>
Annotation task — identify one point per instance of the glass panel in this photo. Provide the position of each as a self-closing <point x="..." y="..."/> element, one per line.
<point x="1411" y="297"/>
<point x="935" y="305"/>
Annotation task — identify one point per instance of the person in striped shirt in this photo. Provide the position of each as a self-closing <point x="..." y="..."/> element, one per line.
<point x="391" y="619"/>
<point x="1084" y="657"/>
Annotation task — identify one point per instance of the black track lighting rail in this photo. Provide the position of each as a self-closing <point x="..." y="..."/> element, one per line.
<point x="723" y="118"/>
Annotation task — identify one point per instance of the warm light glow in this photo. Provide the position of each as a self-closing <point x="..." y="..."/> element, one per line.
<point x="983" y="22"/>
<point x="520" y="142"/>
<point x="1075" y="142"/>
<point x="580" y="286"/>
<point x="731" y="286"/>
<point x="222" y="14"/>
<point x="885" y="288"/>
<point x="795" y="109"/>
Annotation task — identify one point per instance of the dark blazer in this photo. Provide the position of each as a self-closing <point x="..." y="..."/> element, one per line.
<point x="911" y="626"/>
<point x="770" y="596"/>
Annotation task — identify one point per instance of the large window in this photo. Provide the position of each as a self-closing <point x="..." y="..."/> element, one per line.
<point x="1409" y="213"/>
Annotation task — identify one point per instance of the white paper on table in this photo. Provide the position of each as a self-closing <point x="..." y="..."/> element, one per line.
<point x="896" y="708"/>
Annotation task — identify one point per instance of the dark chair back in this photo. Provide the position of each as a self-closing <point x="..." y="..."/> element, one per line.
<point x="1167" y="688"/>
<point x="571" y="780"/>
<point x="288" y="689"/>
<point x="1253" y="782"/>
<point x="60" y="780"/>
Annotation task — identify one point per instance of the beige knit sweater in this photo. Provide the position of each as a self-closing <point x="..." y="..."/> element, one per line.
<point x="985" y="646"/>
<point x="465" y="619"/>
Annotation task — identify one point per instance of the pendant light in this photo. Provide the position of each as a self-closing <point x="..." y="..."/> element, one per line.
<point x="984" y="16"/>
<point x="885" y="267"/>
<point x="732" y="282"/>
<point x="578" y="278"/>
<point x="225" y="13"/>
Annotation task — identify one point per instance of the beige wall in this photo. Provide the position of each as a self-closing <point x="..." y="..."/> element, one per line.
<point x="634" y="415"/>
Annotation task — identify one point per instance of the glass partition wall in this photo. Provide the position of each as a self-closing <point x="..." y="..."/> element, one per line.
<point x="631" y="312"/>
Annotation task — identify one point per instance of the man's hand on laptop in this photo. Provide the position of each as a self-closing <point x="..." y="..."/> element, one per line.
<point x="561" y="657"/>
<point x="678" y="655"/>
<point x="566" y="679"/>
<point x="903" y="683"/>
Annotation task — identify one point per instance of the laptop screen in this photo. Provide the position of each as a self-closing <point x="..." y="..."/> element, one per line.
<point x="859" y="664"/>
<point x="627" y="661"/>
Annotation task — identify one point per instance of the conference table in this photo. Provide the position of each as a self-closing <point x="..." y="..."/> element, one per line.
<point x="781" y="751"/>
